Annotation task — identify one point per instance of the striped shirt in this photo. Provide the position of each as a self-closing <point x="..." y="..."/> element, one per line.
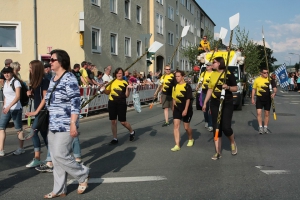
<point x="64" y="102"/>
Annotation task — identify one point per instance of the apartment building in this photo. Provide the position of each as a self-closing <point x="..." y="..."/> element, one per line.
<point x="167" y="19"/>
<point x="104" y="32"/>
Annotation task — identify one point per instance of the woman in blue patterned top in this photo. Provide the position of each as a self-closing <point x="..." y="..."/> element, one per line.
<point x="63" y="110"/>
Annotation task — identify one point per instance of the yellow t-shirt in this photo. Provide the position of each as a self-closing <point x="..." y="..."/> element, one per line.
<point x="84" y="75"/>
<point x="117" y="90"/>
<point x="204" y="45"/>
<point x="206" y="79"/>
<point x="261" y="85"/>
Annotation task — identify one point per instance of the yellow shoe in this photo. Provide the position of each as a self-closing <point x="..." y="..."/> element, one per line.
<point x="175" y="148"/>
<point x="190" y="143"/>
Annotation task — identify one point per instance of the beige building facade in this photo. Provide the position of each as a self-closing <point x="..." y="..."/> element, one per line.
<point x="104" y="32"/>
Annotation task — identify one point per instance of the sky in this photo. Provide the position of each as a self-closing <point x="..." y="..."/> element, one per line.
<point x="279" y="19"/>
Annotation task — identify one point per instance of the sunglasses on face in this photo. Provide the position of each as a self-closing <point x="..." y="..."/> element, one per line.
<point x="167" y="69"/>
<point x="265" y="72"/>
<point x="53" y="60"/>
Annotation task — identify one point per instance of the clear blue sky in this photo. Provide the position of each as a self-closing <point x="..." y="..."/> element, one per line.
<point x="280" y="20"/>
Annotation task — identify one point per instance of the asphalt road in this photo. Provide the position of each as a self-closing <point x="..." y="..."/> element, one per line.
<point x="266" y="167"/>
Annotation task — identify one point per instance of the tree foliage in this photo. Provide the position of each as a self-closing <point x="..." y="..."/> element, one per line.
<point x="249" y="50"/>
<point x="190" y="52"/>
<point x="270" y="58"/>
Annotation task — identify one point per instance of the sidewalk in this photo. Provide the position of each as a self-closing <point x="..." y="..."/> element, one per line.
<point x="93" y="116"/>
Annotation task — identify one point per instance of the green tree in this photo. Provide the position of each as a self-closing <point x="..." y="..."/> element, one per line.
<point x="249" y="51"/>
<point x="190" y="52"/>
<point x="262" y="56"/>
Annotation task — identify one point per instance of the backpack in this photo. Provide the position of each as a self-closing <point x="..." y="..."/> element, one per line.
<point x="24" y="99"/>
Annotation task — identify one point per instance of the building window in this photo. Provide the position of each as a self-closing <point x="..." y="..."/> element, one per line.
<point x="96" y="40"/>
<point x="170" y="38"/>
<point x="139" y="14"/>
<point x="113" y="43"/>
<point x="113" y="6"/>
<point x="159" y="23"/>
<point x="127" y="46"/>
<point x="127" y="9"/>
<point x="95" y="2"/>
<point x="10" y="36"/>
<point x="177" y="31"/>
<point x="177" y="9"/>
<point x="170" y="13"/>
<point x="138" y="48"/>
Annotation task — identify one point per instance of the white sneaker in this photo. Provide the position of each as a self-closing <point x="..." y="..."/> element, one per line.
<point x="210" y="129"/>
<point x="34" y="163"/>
<point x="2" y="153"/>
<point x="19" y="151"/>
<point x="206" y="125"/>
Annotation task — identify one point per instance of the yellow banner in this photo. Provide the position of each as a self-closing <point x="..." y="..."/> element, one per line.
<point x="223" y="54"/>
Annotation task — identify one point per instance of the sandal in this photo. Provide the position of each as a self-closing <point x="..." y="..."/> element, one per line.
<point x="82" y="188"/>
<point x="51" y="195"/>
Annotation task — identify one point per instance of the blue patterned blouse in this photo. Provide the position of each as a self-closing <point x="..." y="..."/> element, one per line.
<point x="64" y="102"/>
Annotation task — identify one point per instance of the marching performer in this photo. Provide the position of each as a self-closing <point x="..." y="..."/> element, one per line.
<point x="205" y="78"/>
<point x="118" y="91"/>
<point x="182" y="109"/>
<point x="168" y="81"/>
<point x="261" y="87"/>
<point x="215" y="86"/>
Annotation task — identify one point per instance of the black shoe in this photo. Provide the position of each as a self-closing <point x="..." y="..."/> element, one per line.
<point x="131" y="137"/>
<point x="44" y="168"/>
<point x="114" y="141"/>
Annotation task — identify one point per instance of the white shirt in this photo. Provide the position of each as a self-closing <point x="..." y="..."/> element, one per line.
<point x="107" y="78"/>
<point x="10" y="94"/>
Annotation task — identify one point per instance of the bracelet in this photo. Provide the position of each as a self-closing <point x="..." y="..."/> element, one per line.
<point x="72" y="122"/>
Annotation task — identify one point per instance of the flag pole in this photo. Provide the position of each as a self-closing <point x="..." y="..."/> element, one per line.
<point x="270" y="85"/>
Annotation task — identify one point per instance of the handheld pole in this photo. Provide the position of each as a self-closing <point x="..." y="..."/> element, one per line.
<point x="233" y="22"/>
<point x="269" y="79"/>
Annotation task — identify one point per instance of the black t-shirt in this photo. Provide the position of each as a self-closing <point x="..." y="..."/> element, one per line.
<point x="181" y="93"/>
<point x="149" y="76"/>
<point x="2" y="76"/>
<point x="90" y="74"/>
<point x="38" y="92"/>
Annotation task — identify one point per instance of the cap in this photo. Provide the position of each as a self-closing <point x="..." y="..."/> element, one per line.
<point x="208" y="64"/>
<point x="8" y="69"/>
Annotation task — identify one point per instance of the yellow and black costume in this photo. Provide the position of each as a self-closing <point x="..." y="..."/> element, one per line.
<point x="227" y="109"/>
<point x="181" y="93"/>
<point x="168" y="82"/>
<point x="117" y="106"/>
<point x="263" y="94"/>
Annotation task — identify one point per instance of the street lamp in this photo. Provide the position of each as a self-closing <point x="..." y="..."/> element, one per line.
<point x="290" y="60"/>
<point x="296" y="54"/>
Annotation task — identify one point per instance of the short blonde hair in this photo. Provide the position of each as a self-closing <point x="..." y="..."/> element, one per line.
<point x="15" y="65"/>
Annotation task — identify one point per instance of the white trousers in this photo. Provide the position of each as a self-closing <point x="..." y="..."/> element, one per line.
<point x="60" y="145"/>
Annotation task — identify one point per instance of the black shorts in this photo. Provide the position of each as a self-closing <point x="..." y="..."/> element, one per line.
<point x="266" y="105"/>
<point x="178" y="115"/>
<point x="117" y="110"/>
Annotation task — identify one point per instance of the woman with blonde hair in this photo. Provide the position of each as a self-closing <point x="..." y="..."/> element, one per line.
<point x="16" y="67"/>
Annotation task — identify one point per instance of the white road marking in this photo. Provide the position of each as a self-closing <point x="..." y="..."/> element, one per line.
<point x="294" y="103"/>
<point x="121" y="179"/>
<point x="270" y="172"/>
<point x="259" y="167"/>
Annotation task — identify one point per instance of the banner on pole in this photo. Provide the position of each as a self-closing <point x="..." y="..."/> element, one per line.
<point x="282" y="76"/>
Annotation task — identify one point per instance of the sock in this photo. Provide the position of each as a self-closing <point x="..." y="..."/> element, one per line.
<point x="132" y="133"/>
<point x="260" y="126"/>
<point x="266" y="126"/>
<point x="115" y="139"/>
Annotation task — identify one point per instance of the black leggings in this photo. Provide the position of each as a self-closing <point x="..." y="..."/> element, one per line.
<point x="227" y="112"/>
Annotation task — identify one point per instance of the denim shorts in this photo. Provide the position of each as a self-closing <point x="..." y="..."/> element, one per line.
<point x="15" y="115"/>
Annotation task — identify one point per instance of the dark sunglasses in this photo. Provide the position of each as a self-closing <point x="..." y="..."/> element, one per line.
<point x="53" y="60"/>
<point x="167" y="69"/>
<point x="265" y="72"/>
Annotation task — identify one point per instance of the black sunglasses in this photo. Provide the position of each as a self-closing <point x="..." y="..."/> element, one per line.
<point x="167" y="69"/>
